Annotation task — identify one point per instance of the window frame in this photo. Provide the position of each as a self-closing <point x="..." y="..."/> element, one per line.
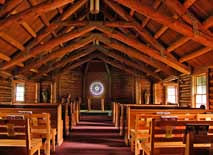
<point x="175" y="85"/>
<point x="195" y="89"/>
<point x="15" y="83"/>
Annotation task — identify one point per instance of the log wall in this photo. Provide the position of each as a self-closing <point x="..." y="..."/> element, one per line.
<point x="5" y="91"/>
<point x="70" y="83"/>
<point x="122" y="85"/>
<point x="185" y="90"/>
<point x="145" y="86"/>
<point x="159" y="93"/>
<point x="30" y="92"/>
<point x="210" y="78"/>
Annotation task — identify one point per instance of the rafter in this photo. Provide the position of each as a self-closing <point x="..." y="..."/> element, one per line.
<point x="129" y="63"/>
<point x="4" y="57"/>
<point x="75" y="64"/>
<point x="186" y="15"/>
<point x="144" y="33"/>
<point x="208" y="23"/>
<point x="58" y="53"/>
<point x="169" y="21"/>
<point x="65" y="61"/>
<point x="137" y="55"/>
<point x="177" y="44"/>
<point x="164" y="28"/>
<point x="48" y="45"/>
<point x="119" y="66"/>
<point x="189" y="3"/>
<point x="73" y="9"/>
<point x="9" y="6"/>
<point x="34" y="11"/>
<point x="29" y="29"/>
<point x="144" y="49"/>
<point x="195" y="54"/>
<point x="11" y="41"/>
<point x="156" y="5"/>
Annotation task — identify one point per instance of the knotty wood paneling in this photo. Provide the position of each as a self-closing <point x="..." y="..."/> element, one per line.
<point x="5" y="91"/>
<point x="185" y="90"/>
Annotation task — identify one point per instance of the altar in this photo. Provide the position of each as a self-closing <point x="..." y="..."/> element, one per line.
<point x="92" y="101"/>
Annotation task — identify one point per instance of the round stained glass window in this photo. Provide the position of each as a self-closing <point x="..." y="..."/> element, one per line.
<point x="97" y="88"/>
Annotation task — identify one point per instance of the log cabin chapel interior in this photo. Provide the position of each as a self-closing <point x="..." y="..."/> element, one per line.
<point x="106" y="77"/>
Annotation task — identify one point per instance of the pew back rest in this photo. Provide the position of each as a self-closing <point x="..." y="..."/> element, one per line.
<point x="207" y="117"/>
<point x="171" y="130"/>
<point x="40" y="125"/>
<point x="15" y="127"/>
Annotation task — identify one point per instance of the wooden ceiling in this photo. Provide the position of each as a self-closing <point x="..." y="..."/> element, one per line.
<point x="150" y="38"/>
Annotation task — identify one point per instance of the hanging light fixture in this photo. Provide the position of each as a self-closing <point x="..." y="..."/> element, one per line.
<point x="94" y="6"/>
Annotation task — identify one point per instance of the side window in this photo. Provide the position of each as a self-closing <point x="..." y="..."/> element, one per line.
<point x="200" y="91"/>
<point x="19" y="89"/>
<point x="171" y="94"/>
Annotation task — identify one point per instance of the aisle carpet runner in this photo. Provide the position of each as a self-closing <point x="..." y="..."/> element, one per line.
<point x="94" y="135"/>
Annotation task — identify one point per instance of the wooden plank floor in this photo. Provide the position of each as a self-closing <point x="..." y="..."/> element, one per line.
<point x="95" y="135"/>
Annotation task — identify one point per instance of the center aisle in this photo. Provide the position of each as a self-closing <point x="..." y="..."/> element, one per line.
<point x="94" y="135"/>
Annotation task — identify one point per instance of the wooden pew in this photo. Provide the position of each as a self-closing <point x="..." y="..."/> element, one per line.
<point x="75" y="112"/>
<point x="167" y="137"/>
<point x="142" y="121"/>
<point x="55" y="110"/>
<point x="131" y="115"/>
<point x="197" y="134"/>
<point x="40" y="128"/>
<point x="66" y="117"/>
<point x="124" y="109"/>
<point x="16" y="133"/>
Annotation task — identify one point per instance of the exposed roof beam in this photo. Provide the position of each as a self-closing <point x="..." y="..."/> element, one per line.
<point x="169" y="21"/>
<point x="75" y="64"/>
<point x="156" y="5"/>
<point x="144" y="33"/>
<point x="136" y="54"/>
<point x="73" y="9"/>
<point x="34" y="11"/>
<point x="195" y="54"/>
<point x="66" y="61"/>
<point x="4" y="57"/>
<point x="119" y="66"/>
<point x="186" y="15"/>
<point x="11" y="41"/>
<point x="144" y="49"/>
<point x="7" y="58"/>
<point x="48" y="45"/>
<point x="189" y="3"/>
<point x="208" y="23"/>
<point x="29" y="29"/>
<point x="58" y="53"/>
<point x="9" y="6"/>
<point x="177" y="44"/>
<point x="129" y="63"/>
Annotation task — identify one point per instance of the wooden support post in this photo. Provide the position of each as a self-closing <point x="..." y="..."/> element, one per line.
<point x="102" y="104"/>
<point x="89" y="104"/>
